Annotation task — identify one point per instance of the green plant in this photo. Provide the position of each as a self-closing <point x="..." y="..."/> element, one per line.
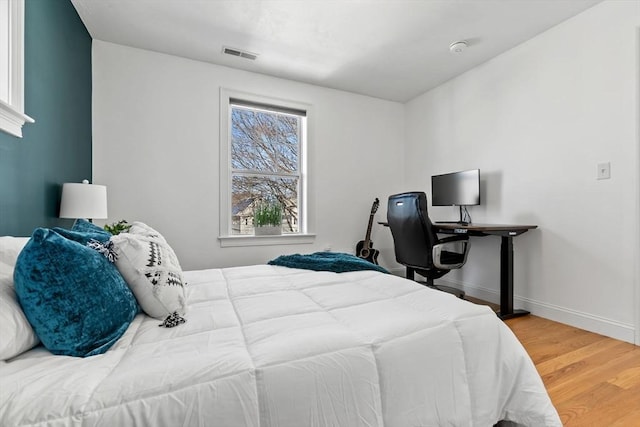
<point x="121" y="226"/>
<point x="267" y="213"/>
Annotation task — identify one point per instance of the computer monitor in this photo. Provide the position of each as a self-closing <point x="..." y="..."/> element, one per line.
<point x="456" y="189"/>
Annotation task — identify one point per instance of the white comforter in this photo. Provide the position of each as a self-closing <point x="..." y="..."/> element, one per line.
<point x="272" y="346"/>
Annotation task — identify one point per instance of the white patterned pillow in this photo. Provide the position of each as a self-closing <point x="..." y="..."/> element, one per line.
<point x="152" y="271"/>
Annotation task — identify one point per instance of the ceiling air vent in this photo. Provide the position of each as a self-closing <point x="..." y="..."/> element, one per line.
<point x="240" y="53"/>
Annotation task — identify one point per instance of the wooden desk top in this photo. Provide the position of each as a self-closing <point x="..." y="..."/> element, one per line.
<point x="480" y="229"/>
<point x="484" y="229"/>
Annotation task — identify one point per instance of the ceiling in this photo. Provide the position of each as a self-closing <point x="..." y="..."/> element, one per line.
<point x="390" y="49"/>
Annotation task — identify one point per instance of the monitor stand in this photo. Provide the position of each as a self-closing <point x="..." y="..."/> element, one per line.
<point x="460" y="221"/>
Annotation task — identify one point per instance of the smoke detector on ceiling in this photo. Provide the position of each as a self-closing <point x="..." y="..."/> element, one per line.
<point x="239" y="52"/>
<point x="458" y="47"/>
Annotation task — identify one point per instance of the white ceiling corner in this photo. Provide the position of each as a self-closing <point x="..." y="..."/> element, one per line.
<point x="389" y="49"/>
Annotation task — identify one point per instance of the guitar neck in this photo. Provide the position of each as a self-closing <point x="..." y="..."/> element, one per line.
<point x="367" y="238"/>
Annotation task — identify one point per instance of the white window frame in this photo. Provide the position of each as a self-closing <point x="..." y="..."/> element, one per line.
<point x="12" y="116"/>
<point x="306" y="220"/>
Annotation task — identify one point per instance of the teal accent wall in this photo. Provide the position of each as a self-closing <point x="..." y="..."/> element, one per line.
<point x="57" y="147"/>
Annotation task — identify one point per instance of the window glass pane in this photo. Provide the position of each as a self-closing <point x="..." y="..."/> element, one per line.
<point x="266" y="157"/>
<point x="289" y="130"/>
<point x="249" y="190"/>
<point x="264" y="141"/>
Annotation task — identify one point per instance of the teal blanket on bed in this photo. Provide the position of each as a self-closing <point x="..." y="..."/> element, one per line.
<point x="337" y="262"/>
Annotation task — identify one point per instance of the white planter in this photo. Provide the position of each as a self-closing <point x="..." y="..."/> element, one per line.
<point x="268" y="230"/>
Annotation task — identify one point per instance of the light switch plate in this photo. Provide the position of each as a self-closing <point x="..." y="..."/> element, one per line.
<point x="604" y="170"/>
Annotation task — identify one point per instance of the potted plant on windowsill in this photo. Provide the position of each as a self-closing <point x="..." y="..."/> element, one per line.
<point x="267" y="218"/>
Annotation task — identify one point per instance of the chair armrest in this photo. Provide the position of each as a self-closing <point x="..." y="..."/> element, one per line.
<point x="441" y="249"/>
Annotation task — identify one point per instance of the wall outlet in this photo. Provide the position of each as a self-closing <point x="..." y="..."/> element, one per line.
<point x="604" y="170"/>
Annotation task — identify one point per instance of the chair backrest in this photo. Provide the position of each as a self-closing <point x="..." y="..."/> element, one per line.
<point x="412" y="230"/>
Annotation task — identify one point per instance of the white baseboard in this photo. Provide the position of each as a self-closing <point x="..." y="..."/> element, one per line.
<point x="586" y="321"/>
<point x="575" y="318"/>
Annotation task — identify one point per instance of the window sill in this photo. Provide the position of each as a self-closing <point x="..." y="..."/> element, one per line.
<point x="11" y="120"/>
<point x="283" y="239"/>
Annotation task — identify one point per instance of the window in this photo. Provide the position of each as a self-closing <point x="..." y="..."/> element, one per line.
<point x="12" y="116"/>
<point x="263" y="162"/>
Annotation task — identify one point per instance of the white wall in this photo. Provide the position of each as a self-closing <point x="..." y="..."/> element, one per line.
<point x="156" y="147"/>
<point x="536" y="121"/>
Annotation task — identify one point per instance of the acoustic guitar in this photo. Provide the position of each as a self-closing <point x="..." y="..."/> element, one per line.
<point x="364" y="248"/>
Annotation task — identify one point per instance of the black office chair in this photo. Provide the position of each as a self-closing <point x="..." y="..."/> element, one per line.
<point x="417" y="245"/>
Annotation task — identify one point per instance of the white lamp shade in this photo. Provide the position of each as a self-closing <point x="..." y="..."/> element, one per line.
<point x="83" y="201"/>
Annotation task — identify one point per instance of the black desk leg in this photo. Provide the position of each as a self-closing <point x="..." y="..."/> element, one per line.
<point x="506" y="281"/>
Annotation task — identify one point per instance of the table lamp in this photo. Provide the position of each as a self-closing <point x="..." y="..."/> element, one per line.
<point x="83" y="200"/>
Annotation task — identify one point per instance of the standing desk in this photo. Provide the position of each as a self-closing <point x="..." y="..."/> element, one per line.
<point x="507" y="233"/>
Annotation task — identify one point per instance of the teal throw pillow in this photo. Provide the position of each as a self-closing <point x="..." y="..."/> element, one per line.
<point x="83" y="237"/>
<point x="75" y="299"/>
<point x="84" y="226"/>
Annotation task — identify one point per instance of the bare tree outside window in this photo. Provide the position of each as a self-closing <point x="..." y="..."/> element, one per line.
<point x="265" y="165"/>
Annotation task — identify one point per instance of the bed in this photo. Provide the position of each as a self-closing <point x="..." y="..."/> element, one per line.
<point x="274" y="346"/>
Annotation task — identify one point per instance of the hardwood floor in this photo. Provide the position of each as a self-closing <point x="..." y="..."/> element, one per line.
<point x="593" y="380"/>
